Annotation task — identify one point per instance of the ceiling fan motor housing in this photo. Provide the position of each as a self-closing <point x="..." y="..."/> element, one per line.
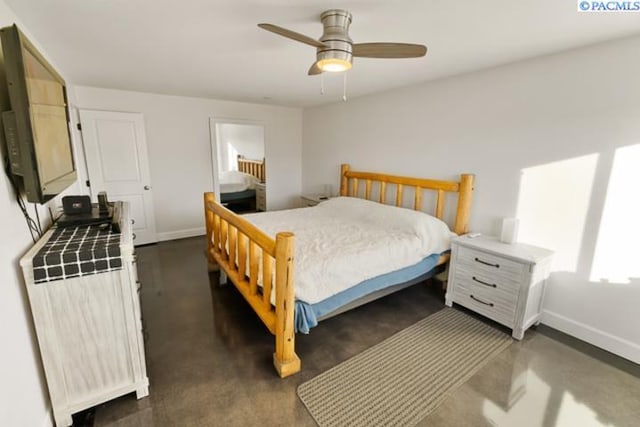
<point x="339" y="50"/>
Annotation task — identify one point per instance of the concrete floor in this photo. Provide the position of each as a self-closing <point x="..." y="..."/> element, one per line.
<point x="209" y="360"/>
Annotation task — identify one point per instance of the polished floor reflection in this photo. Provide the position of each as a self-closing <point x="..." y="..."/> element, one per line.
<point x="209" y="361"/>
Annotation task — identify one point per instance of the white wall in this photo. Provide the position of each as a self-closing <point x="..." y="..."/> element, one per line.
<point x="247" y="140"/>
<point x="23" y="393"/>
<point x="516" y="127"/>
<point x="180" y="151"/>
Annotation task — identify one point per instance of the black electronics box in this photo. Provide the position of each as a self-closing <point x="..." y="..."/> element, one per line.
<point x="78" y="210"/>
<point x="73" y="205"/>
<point x="93" y="217"/>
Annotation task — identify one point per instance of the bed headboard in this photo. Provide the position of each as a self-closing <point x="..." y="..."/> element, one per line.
<point x="350" y="180"/>
<point x="252" y="167"/>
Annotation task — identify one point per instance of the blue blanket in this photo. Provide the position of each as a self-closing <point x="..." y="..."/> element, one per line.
<point x="306" y="315"/>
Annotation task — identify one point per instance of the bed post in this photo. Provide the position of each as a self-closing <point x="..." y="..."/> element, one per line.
<point x="209" y="197"/>
<point x="285" y="359"/>
<point x="465" y="196"/>
<point x="344" y="181"/>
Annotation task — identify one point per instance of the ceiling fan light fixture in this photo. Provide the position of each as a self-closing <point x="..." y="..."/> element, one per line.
<point x="336" y="57"/>
<point x="334" y="65"/>
<point x="335" y="50"/>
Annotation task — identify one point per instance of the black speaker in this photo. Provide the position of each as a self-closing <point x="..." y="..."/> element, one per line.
<point x="103" y="203"/>
<point x="73" y="205"/>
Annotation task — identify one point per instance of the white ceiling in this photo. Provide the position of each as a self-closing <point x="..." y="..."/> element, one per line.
<point x="213" y="48"/>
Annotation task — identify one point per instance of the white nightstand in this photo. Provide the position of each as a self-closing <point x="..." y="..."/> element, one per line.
<point x="312" y="199"/>
<point x="504" y="282"/>
<point x="261" y="196"/>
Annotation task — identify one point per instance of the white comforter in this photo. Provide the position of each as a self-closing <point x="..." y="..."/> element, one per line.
<point x="343" y="241"/>
<point x="234" y="181"/>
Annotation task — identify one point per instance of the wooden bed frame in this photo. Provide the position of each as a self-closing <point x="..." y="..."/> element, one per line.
<point x="252" y="167"/>
<point x="232" y="242"/>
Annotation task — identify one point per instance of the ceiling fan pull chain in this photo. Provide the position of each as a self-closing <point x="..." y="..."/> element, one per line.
<point x="321" y="84"/>
<point x="344" y="87"/>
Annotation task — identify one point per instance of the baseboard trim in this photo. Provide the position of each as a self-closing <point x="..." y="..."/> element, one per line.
<point x="591" y="335"/>
<point x="180" y="234"/>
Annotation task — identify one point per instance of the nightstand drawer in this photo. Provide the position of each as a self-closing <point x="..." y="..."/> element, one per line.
<point x="492" y="308"/>
<point x="498" y="295"/>
<point x="480" y="278"/>
<point x="490" y="264"/>
<point x="261" y="202"/>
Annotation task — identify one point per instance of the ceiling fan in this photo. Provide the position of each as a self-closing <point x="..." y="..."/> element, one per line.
<point x="335" y="49"/>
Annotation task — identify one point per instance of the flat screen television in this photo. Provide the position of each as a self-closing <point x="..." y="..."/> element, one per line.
<point x="37" y="126"/>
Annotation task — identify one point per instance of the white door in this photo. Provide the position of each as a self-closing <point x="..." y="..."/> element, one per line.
<point x="116" y="151"/>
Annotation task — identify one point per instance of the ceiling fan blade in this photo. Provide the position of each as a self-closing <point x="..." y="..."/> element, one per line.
<point x="314" y="70"/>
<point x="389" y="50"/>
<point x="292" y="35"/>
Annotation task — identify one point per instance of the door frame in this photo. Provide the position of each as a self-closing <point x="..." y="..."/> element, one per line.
<point x="213" y="137"/>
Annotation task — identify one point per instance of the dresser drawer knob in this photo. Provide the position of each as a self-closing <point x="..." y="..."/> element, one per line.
<point x="490" y="304"/>
<point x="487" y="263"/>
<point x="491" y="285"/>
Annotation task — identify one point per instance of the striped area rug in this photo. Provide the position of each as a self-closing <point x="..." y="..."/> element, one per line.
<point x="401" y="380"/>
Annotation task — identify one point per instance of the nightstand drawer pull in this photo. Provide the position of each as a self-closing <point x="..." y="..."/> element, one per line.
<point x="490" y="304"/>
<point x="487" y="263"/>
<point x="491" y="285"/>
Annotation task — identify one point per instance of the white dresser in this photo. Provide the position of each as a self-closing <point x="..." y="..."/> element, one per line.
<point x="261" y="197"/>
<point x="504" y="282"/>
<point x="83" y="291"/>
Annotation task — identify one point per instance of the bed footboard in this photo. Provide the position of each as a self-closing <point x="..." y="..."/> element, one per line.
<point x="248" y="256"/>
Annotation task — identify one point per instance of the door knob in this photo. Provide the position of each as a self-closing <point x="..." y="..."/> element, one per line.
<point x="146" y="187"/>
